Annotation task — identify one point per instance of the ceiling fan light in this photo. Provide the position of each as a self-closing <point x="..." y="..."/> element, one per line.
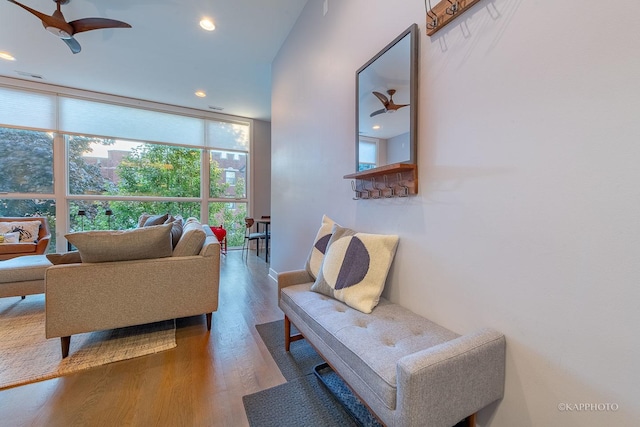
<point x="58" y="32"/>
<point x="7" y="56"/>
<point x="207" y="24"/>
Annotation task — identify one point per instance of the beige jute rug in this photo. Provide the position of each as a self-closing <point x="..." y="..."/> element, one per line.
<point x="27" y="356"/>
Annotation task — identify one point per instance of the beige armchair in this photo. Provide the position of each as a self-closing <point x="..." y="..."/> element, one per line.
<point x="39" y="247"/>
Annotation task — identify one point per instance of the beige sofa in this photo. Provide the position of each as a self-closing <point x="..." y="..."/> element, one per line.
<point x="91" y="296"/>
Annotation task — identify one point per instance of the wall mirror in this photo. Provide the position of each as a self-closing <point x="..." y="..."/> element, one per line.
<point x="386" y="105"/>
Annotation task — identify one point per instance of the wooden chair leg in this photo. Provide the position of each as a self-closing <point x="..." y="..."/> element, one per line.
<point x="65" y="342"/>
<point x="209" y="321"/>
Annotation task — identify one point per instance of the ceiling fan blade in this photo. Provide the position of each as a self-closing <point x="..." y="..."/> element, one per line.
<point x="73" y="44"/>
<point x="382" y="98"/>
<point x="396" y="106"/>
<point x="375" y="113"/>
<point x="88" y="24"/>
<point x="46" y="19"/>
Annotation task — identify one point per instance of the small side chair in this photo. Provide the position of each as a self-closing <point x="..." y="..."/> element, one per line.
<point x="249" y="236"/>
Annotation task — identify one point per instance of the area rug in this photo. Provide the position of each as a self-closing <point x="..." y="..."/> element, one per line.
<point x="303" y="400"/>
<point x="27" y="356"/>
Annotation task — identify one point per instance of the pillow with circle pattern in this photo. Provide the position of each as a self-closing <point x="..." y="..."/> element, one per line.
<point x="355" y="267"/>
<point x="316" y="255"/>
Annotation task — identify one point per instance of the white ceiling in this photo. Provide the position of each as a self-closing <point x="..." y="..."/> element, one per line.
<point x="165" y="57"/>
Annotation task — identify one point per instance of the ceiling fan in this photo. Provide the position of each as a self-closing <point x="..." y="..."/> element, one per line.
<point x="58" y="26"/>
<point x="389" y="105"/>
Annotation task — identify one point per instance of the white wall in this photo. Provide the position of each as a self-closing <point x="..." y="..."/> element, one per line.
<point x="398" y="148"/>
<point x="528" y="217"/>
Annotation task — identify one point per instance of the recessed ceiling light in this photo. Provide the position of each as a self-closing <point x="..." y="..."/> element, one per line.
<point x="7" y="56"/>
<point x="201" y="94"/>
<point x="376" y="127"/>
<point x="207" y="24"/>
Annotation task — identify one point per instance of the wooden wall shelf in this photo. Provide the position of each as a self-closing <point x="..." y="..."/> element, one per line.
<point x="445" y="12"/>
<point x="395" y="180"/>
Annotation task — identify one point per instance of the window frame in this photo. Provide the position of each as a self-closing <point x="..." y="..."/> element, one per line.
<point x="60" y="156"/>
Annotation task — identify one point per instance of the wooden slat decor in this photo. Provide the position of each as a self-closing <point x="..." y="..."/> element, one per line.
<point x="440" y="10"/>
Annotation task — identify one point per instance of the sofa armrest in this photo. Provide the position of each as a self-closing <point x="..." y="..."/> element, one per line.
<point x="44" y="235"/>
<point x="294" y="277"/>
<point x="43" y="244"/>
<point x="448" y="382"/>
<point x="211" y="247"/>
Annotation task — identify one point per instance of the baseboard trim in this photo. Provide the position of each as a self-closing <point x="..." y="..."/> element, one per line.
<point x="273" y="275"/>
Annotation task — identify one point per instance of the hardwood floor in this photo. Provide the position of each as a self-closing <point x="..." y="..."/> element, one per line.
<point x="199" y="383"/>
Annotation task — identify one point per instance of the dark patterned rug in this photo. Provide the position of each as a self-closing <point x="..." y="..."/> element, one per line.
<point x="305" y="399"/>
<point x="313" y="396"/>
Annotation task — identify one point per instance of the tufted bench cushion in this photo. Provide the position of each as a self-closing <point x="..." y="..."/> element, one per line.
<point x="372" y="343"/>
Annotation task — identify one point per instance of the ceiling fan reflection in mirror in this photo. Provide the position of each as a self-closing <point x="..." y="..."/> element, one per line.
<point x="389" y="105"/>
<point x="58" y="26"/>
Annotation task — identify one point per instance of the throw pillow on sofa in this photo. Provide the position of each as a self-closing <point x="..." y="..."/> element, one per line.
<point x="28" y="230"/>
<point x="355" y="267"/>
<point x="147" y="220"/>
<point x="11" y="237"/>
<point x="176" y="229"/>
<point x="156" y="220"/>
<point x="122" y="245"/>
<point x="192" y="239"/>
<point x="72" y="257"/>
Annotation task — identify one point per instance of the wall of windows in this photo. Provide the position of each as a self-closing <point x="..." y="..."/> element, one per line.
<point x="100" y="165"/>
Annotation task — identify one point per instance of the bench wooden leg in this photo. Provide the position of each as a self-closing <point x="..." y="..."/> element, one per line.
<point x="287" y="333"/>
<point x="209" y="321"/>
<point x="288" y="339"/>
<point x="65" y="342"/>
<point x="471" y="420"/>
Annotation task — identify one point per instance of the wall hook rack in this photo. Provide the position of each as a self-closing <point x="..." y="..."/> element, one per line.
<point x="358" y="193"/>
<point x="453" y="9"/>
<point x="432" y="18"/>
<point x="396" y="180"/>
<point x="444" y="12"/>
<point x="390" y="187"/>
<point x="374" y="188"/>
<point x="405" y="188"/>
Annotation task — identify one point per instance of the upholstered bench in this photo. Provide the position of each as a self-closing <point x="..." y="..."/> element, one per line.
<point x="23" y="275"/>
<point x="408" y="370"/>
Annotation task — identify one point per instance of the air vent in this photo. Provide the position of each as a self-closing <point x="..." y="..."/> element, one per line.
<point x="30" y="75"/>
<point x="213" y="107"/>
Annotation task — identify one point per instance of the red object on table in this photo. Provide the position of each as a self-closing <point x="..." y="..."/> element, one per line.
<point x="221" y="235"/>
